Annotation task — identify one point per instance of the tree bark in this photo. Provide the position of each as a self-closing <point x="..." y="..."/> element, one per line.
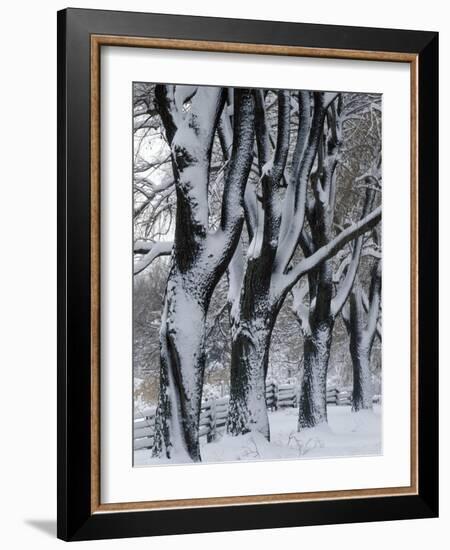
<point x="199" y="257"/>
<point x="362" y="328"/>
<point x="249" y="360"/>
<point x="269" y="276"/>
<point x="251" y="334"/>
<point x="252" y="326"/>
<point x="362" y="384"/>
<point x="324" y="303"/>
<point x="313" y="389"/>
<point x="182" y="364"/>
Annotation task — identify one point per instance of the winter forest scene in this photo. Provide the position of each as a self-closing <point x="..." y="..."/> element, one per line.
<point x="257" y="274"/>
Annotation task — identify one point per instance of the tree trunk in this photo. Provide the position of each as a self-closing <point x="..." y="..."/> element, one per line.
<point x="252" y="328"/>
<point x="199" y="257"/>
<point x="325" y="304"/>
<point x="249" y="362"/>
<point x="313" y="391"/>
<point x="362" y="328"/>
<point x="362" y="384"/>
<point x="251" y="332"/>
<point x="182" y="343"/>
<point x="269" y="275"/>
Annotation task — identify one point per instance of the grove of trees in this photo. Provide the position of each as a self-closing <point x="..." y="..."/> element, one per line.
<point x="257" y="252"/>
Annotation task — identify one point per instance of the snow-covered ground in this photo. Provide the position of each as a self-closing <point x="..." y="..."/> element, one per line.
<point x="346" y="434"/>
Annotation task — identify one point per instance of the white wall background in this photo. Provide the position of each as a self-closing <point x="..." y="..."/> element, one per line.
<point x="28" y="274"/>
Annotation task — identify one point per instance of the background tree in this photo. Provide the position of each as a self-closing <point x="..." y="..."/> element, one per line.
<point x="276" y="225"/>
<point x="361" y="317"/>
<point x="325" y="299"/>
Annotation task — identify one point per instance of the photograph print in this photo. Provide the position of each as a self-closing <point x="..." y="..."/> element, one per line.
<point x="257" y="269"/>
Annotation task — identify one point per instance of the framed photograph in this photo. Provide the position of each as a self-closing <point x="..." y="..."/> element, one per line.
<point x="247" y="254"/>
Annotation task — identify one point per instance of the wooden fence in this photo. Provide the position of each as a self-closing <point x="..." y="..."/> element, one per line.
<point x="213" y="415"/>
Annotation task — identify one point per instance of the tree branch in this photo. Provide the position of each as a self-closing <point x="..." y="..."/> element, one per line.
<point x="346" y="285"/>
<point x="329" y="250"/>
<point x="294" y="203"/>
<point x="152" y="251"/>
<point x="272" y="168"/>
<point x="232" y="213"/>
<point x="299" y="309"/>
<point x="366" y="305"/>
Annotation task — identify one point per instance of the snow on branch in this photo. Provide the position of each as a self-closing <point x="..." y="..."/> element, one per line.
<point x="329" y="250"/>
<point x="366" y="305"/>
<point x="299" y="309"/>
<point x="239" y="163"/>
<point x="308" y="140"/>
<point x="347" y="283"/>
<point x="272" y="164"/>
<point x="366" y="251"/>
<point x="282" y="146"/>
<point x="151" y="251"/>
<point x="190" y="116"/>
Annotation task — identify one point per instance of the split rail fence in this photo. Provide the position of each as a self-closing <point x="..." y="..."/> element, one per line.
<point x="213" y="416"/>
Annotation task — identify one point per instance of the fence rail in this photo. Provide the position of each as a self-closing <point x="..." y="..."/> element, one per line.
<point x="213" y="414"/>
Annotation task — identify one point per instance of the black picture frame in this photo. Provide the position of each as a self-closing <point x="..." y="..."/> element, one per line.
<point x="76" y="520"/>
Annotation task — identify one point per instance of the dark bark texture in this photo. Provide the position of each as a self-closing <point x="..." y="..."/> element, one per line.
<point x="200" y="257"/>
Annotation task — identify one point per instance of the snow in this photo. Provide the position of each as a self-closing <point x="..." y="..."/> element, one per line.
<point x="267" y="168"/>
<point x="328" y="250"/>
<point x="163" y="248"/>
<point x="346" y="434"/>
<point x="254" y="248"/>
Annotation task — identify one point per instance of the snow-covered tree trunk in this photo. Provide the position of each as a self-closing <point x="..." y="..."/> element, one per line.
<point x="200" y="256"/>
<point x="316" y="324"/>
<point x="324" y="303"/>
<point x="313" y="390"/>
<point x="362" y="328"/>
<point x="251" y="334"/>
<point x="317" y="337"/>
<point x="278" y="217"/>
<point x="362" y="384"/>
<point x="249" y="361"/>
<point x="182" y="366"/>
<point x="255" y="312"/>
